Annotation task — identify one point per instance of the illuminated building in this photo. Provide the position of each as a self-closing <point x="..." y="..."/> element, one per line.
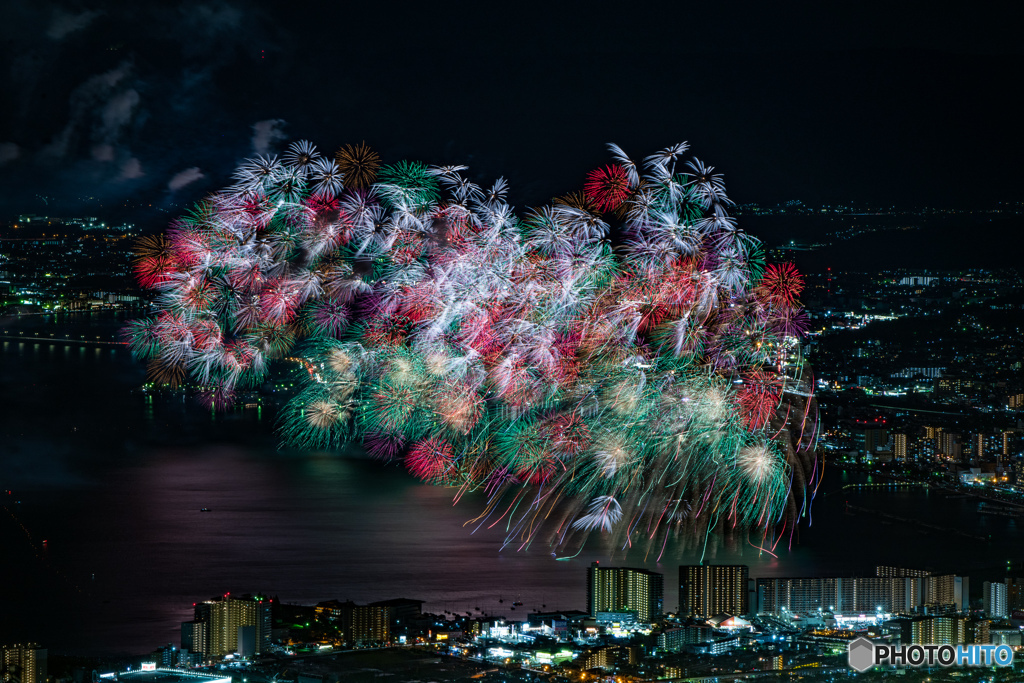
<point x="674" y="639"/>
<point x="950" y="446"/>
<point x="946" y="591"/>
<point x="22" y="663"/>
<point x="369" y="624"/>
<point x="607" y="657"/>
<point x="945" y="630"/>
<point x="332" y="610"/>
<point x="1013" y="443"/>
<point x="222" y="622"/>
<point x="616" y="619"/>
<point x="978" y="631"/>
<point x="193" y="636"/>
<point x="1005" y="636"/>
<point x="717" y="646"/>
<point x="707" y="590"/>
<point x="900" y="572"/>
<point x="899" y="447"/>
<point x="870" y="441"/>
<point x="888" y="594"/>
<point x="994" y="599"/>
<point x="403" y="610"/>
<point x="624" y="589"/>
<point x="987" y="445"/>
<point x="1014" y="594"/>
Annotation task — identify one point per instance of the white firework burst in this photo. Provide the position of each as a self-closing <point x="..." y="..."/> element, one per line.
<point x="604" y="513"/>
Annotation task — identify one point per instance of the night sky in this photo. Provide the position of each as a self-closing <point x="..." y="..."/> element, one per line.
<point x="157" y="102"/>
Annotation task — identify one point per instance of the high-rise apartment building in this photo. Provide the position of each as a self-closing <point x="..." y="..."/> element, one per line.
<point x="608" y="657"/>
<point x="950" y="446"/>
<point x="899" y="447"/>
<point x="894" y="594"/>
<point x="707" y="590"/>
<point x="624" y="589"/>
<point x="870" y="441"/>
<point x="22" y="663"/>
<point x="900" y="572"/>
<point x="369" y="624"/>
<point x="944" y="630"/>
<point x="220" y="622"/>
<point x="994" y="600"/>
<point x="978" y="631"/>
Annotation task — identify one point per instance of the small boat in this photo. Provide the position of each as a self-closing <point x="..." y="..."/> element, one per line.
<point x="204" y="510"/>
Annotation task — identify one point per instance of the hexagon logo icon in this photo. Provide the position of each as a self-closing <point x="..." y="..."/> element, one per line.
<point x="862" y="654"/>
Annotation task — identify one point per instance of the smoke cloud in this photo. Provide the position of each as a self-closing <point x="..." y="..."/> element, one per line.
<point x="183" y="178"/>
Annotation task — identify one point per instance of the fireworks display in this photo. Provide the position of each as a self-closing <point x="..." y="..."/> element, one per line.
<point x="621" y="362"/>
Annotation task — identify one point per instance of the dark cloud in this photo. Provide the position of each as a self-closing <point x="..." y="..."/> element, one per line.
<point x="8" y="152"/>
<point x="266" y="133"/>
<point x="103" y="152"/>
<point x="183" y="178"/>
<point x="64" y="22"/>
<point x="96" y="92"/>
<point x="116" y="114"/>
<point x="131" y="169"/>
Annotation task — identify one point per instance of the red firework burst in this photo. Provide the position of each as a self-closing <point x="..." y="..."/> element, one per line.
<point x="781" y="284"/>
<point x="537" y="473"/>
<point x="154" y="261"/>
<point x="607" y="187"/>
<point x="418" y="304"/>
<point x="278" y="302"/>
<point x="758" y="397"/>
<point x="386" y="331"/>
<point x="568" y="433"/>
<point x="319" y="203"/>
<point x="246" y="277"/>
<point x="430" y="460"/>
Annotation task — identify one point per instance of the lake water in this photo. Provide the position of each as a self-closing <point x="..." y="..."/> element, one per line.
<point x="113" y="482"/>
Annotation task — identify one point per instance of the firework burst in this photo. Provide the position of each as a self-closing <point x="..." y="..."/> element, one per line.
<point x="635" y="392"/>
<point x="607" y="187"/>
<point x="358" y="164"/>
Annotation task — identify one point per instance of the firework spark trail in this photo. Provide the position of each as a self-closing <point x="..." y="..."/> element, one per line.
<point x="644" y="389"/>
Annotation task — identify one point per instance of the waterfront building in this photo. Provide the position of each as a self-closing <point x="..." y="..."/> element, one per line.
<point x="23" y="663"/>
<point x="885" y="594"/>
<point x="369" y="624"/>
<point x="899" y="572"/>
<point x="221" y="624"/>
<point x="707" y="590"/>
<point x="624" y="589"/>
